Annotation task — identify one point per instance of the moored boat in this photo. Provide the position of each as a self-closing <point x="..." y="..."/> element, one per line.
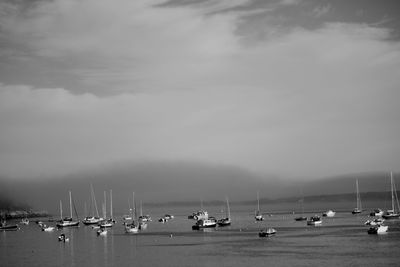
<point x="227" y="220"/>
<point x="376" y="212"/>
<point x="94" y="217"/>
<point x="8" y="227"/>
<point x="205" y="223"/>
<point x="267" y="232"/>
<point x="358" y="209"/>
<point x="314" y="220"/>
<point x="394" y="212"/>
<point x="258" y="215"/>
<point x="374" y="222"/>
<point x="46" y="228"/>
<point x="378" y="229"/>
<point x="67" y="221"/>
<point x="329" y="213"/>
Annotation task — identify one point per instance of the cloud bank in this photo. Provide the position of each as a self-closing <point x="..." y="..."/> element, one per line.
<point x="101" y="82"/>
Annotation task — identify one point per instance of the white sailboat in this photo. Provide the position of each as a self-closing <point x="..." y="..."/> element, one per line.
<point x="359" y="207"/>
<point x="67" y="221"/>
<point x="227" y="220"/>
<point x="92" y="219"/>
<point x="258" y="215"/>
<point x="394" y="212"/>
<point x="110" y="221"/>
<point x="133" y="227"/>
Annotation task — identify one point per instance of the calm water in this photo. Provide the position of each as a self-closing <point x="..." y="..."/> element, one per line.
<point x="340" y="241"/>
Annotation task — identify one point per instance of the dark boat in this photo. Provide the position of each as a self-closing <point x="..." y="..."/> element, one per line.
<point x="267" y="232"/>
<point x="10" y="227"/>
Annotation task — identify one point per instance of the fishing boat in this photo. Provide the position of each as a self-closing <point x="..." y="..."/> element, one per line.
<point x="258" y="215"/>
<point x="376" y="212"/>
<point x="394" y="212"/>
<point x="68" y="221"/>
<point x="314" y="220"/>
<point x="92" y="218"/>
<point x="211" y="222"/>
<point x="227" y="220"/>
<point x="358" y="209"/>
<point x="378" y="229"/>
<point x="133" y="226"/>
<point x="267" y="232"/>
<point x="329" y="213"/>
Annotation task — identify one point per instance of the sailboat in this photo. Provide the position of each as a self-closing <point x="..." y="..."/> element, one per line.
<point x="392" y="213"/>
<point x="227" y="220"/>
<point x="68" y="221"/>
<point x="359" y="208"/>
<point x="110" y="221"/>
<point x="143" y="219"/>
<point x="133" y="227"/>
<point x="258" y="215"/>
<point x="92" y="219"/>
<point x="302" y="217"/>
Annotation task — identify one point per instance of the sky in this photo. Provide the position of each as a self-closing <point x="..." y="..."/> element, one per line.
<point x="291" y="88"/>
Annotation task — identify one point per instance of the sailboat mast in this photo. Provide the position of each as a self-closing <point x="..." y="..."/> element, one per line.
<point x="358" y="196"/>
<point x="70" y="203"/>
<point x="94" y="200"/>
<point x="227" y="206"/>
<point x="61" y="210"/>
<point x="105" y="206"/>
<point x="111" y="206"/>
<point x="391" y="187"/>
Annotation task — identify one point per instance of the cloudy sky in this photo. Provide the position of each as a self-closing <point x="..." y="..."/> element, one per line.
<point x="289" y="87"/>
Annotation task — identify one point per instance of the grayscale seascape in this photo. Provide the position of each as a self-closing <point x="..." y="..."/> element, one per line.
<point x="269" y="129"/>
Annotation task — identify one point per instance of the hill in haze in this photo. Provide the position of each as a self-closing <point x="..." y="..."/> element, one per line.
<point x="161" y="182"/>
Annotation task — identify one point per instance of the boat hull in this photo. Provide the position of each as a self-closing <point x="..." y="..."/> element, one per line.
<point x="267" y="233"/>
<point x="67" y="224"/>
<point x="13" y="227"/>
<point x="198" y="227"/>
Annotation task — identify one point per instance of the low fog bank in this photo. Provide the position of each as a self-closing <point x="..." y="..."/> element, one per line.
<point x="164" y="182"/>
<point x="152" y="182"/>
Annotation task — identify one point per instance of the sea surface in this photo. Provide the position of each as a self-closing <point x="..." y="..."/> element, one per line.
<point x="339" y="241"/>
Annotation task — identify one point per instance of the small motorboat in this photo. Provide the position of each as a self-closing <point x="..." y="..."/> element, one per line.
<point x="376" y="212"/>
<point x="63" y="238"/>
<point x="101" y="232"/>
<point x="301" y="218"/>
<point x="314" y="220"/>
<point x="378" y="229"/>
<point x="224" y="222"/>
<point x="329" y="213"/>
<point x="25" y="221"/>
<point x="46" y="228"/>
<point x="131" y="228"/>
<point x="267" y="232"/>
<point x="374" y="222"/>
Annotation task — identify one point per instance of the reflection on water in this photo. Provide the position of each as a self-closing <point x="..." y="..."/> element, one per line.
<point x="341" y="240"/>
